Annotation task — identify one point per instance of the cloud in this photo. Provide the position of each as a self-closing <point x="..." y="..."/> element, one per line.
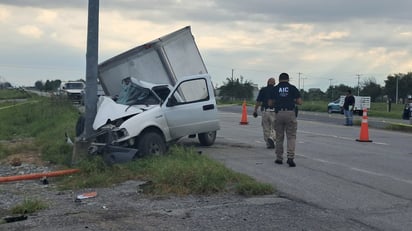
<point x="322" y="39"/>
<point x="30" y="31"/>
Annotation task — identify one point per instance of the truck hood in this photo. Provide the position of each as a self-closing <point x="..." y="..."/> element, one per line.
<point x="107" y="109"/>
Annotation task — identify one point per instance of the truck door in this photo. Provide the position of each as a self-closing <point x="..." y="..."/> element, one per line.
<point x="191" y="108"/>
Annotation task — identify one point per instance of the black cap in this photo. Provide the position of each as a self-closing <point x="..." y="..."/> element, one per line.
<point x="283" y="76"/>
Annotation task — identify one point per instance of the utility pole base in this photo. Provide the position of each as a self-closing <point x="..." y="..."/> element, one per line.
<point x="80" y="151"/>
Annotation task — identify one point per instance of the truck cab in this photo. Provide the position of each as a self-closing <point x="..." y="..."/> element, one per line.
<point x="148" y="117"/>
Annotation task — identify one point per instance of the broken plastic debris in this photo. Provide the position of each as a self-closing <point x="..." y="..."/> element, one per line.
<point x="15" y="218"/>
<point x="86" y="195"/>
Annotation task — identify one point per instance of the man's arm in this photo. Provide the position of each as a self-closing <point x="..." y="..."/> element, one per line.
<point x="257" y="105"/>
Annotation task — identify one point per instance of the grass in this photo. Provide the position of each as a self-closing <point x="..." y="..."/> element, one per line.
<point x="376" y="110"/>
<point x="42" y="121"/>
<point x="181" y="172"/>
<point x="6" y="94"/>
<point x="29" y="206"/>
<point x="40" y="124"/>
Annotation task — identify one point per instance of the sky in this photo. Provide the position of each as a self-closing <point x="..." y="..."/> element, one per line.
<point x="317" y="42"/>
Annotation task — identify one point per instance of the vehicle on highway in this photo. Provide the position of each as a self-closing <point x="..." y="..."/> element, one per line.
<point x="73" y="90"/>
<point x="335" y="107"/>
<point x="361" y="102"/>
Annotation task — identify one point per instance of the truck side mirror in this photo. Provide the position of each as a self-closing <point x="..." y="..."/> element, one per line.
<point x="171" y="101"/>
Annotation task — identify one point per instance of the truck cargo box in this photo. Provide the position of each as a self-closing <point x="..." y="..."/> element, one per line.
<point x="161" y="61"/>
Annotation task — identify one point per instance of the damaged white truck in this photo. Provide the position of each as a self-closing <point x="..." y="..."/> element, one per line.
<point x="155" y="94"/>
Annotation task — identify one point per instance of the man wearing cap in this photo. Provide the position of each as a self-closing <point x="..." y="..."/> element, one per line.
<point x="265" y="101"/>
<point x="286" y="97"/>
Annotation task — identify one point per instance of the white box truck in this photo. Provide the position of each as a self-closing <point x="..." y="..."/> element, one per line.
<point x="361" y="102"/>
<point x="155" y="94"/>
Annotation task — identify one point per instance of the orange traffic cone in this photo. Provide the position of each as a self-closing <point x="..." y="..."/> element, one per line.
<point x="243" y="121"/>
<point x="364" y="133"/>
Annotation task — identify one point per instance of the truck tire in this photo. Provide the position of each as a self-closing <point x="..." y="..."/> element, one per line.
<point x="151" y="143"/>
<point x="207" y="138"/>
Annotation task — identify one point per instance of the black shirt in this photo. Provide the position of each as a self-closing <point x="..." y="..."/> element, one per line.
<point x="349" y="100"/>
<point x="266" y="96"/>
<point x="285" y="96"/>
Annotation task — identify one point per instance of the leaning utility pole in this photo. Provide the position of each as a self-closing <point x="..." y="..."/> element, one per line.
<point x="91" y="67"/>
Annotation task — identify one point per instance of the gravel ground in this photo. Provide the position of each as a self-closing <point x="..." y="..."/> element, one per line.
<point x="123" y="207"/>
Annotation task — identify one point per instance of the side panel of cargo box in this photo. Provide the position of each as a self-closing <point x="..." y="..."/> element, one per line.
<point x="163" y="60"/>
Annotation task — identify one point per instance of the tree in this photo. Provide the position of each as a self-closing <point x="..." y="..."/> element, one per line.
<point x="38" y="85"/>
<point x="401" y="81"/>
<point x="236" y="89"/>
<point x="371" y="88"/>
<point x="334" y="92"/>
<point x="50" y="85"/>
<point x="314" y="94"/>
<point x="4" y="85"/>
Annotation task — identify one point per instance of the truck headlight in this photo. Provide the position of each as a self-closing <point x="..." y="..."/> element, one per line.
<point x="120" y="134"/>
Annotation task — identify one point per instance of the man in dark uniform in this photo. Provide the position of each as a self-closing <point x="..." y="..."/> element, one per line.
<point x="348" y="105"/>
<point x="265" y="101"/>
<point x="286" y="97"/>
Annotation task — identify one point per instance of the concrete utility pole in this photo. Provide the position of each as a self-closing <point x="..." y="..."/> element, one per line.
<point x="358" y="82"/>
<point x="91" y="66"/>
<point x="299" y="73"/>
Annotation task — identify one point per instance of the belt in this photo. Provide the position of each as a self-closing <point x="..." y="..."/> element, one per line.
<point x="269" y="109"/>
<point x="286" y="109"/>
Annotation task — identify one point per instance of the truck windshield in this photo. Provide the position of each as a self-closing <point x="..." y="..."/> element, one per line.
<point x="74" y="86"/>
<point x="134" y="94"/>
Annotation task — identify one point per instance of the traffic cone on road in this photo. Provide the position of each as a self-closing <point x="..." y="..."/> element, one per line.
<point x="243" y="120"/>
<point x="364" y="133"/>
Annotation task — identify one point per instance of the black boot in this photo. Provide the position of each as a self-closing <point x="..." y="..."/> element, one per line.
<point x="291" y="163"/>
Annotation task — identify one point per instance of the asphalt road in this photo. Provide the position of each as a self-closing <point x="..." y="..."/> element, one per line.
<point x="366" y="182"/>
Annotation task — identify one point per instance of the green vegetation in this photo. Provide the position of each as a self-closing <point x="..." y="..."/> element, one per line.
<point x="182" y="171"/>
<point x="29" y="206"/>
<point x="376" y="110"/>
<point x="13" y="94"/>
<point x="40" y="124"/>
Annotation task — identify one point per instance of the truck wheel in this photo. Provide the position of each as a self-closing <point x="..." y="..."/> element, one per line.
<point x="151" y="143"/>
<point x="207" y="138"/>
<point x="329" y="110"/>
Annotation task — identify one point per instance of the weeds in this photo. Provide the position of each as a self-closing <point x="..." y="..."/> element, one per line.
<point x="181" y="172"/>
<point x="28" y="206"/>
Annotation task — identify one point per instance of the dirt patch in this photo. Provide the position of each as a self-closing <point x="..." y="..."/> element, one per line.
<point x="23" y="151"/>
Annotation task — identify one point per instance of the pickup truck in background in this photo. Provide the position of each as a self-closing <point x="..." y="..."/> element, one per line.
<point x="73" y="90"/>
<point x="155" y="94"/>
<point x="361" y="102"/>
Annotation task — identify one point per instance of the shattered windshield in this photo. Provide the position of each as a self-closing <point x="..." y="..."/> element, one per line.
<point x="133" y="94"/>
